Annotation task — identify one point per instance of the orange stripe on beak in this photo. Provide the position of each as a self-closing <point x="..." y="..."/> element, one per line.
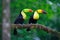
<point x="30" y="10"/>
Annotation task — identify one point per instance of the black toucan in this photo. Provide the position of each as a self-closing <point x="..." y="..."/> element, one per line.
<point x="34" y="18"/>
<point x="20" y="19"/>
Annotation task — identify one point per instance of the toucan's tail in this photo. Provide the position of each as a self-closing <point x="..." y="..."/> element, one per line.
<point x="15" y="31"/>
<point x="28" y="29"/>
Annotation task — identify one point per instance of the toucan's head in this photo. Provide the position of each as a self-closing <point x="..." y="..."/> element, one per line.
<point x="27" y="10"/>
<point x="41" y="11"/>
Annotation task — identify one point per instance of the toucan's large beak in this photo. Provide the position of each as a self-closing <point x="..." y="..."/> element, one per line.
<point x="44" y="12"/>
<point x="30" y="10"/>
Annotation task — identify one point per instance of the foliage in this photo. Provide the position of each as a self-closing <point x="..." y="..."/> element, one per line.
<point x="0" y="19"/>
<point x="0" y="11"/>
<point x="52" y="19"/>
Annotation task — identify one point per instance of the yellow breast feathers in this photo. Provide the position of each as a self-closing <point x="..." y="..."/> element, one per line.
<point x="36" y="15"/>
<point x="24" y="15"/>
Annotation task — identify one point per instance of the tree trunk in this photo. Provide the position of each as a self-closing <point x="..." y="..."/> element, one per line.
<point x="6" y="20"/>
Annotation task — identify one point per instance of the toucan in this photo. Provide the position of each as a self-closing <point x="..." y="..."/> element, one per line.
<point x="20" y="19"/>
<point x="34" y="18"/>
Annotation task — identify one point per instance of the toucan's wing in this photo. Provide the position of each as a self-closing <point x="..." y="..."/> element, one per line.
<point x="19" y="20"/>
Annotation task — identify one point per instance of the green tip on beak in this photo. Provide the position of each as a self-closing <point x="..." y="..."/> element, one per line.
<point x="28" y="10"/>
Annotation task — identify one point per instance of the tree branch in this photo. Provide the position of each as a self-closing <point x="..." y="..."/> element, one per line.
<point x="42" y="27"/>
<point x="39" y="26"/>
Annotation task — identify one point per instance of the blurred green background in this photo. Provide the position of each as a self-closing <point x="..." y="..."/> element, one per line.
<point x="0" y="19"/>
<point x="0" y="11"/>
<point x="52" y="19"/>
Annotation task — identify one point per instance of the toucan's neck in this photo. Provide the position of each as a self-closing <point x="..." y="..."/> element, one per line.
<point x="36" y="15"/>
<point x="36" y="11"/>
<point x="23" y="14"/>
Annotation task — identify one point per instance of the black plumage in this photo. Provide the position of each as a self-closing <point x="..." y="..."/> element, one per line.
<point x="19" y="20"/>
<point x="35" y="17"/>
<point x="32" y="21"/>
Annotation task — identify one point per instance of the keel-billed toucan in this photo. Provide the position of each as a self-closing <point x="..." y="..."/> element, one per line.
<point x="20" y="19"/>
<point x="34" y="18"/>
